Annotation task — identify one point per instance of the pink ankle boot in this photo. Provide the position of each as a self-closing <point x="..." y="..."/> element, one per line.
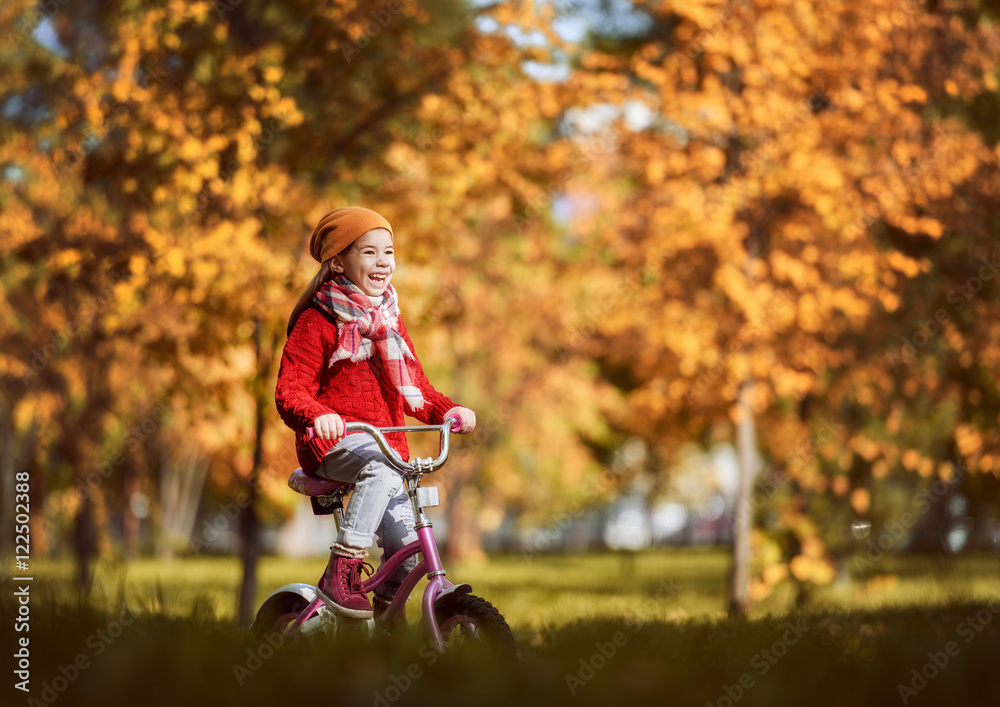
<point x="341" y="583"/>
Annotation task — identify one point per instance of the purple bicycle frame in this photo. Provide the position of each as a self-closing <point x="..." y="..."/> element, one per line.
<point x="431" y="564"/>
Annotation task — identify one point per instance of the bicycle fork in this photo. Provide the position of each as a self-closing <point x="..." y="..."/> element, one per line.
<point x="436" y="583"/>
<point x="430" y="566"/>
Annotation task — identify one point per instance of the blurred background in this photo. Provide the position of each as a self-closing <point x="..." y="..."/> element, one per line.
<point x="710" y="273"/>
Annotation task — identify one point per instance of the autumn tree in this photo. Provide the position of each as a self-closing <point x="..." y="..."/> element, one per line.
<point x="165" y="166"/>
<point x="768" y="218"/>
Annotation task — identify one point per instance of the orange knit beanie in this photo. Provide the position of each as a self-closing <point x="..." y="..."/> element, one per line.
<point x="341" y="227"/>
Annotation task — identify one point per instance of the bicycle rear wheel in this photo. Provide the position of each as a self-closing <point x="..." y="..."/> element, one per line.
<point x="276" y="613"/>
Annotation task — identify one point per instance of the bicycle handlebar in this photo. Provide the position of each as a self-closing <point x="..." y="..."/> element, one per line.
<point x="391" y="454"/>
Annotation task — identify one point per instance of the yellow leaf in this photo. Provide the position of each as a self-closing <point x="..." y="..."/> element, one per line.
<point x="931" y="227"/>
<point x="912" y="93"/>
<point x="173" y="260"/>
<point x="273" y="74"/>
<point x="775" y="573"/>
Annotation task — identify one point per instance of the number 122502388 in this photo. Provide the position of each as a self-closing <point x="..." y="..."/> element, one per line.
<point x="22" y="516"/>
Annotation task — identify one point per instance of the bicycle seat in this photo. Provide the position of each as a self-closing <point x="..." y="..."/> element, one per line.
<point x="307" y="485"/>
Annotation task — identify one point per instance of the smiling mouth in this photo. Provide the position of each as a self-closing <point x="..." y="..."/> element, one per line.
<point x="378" y="279"/>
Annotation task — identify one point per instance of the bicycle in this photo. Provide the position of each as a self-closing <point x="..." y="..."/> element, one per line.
<point x="450" y="611"/>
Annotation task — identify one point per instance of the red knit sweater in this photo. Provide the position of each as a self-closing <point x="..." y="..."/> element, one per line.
<point x="309" y="387"/>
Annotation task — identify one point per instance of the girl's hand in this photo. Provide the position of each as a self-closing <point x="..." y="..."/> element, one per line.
<point x="466" y="417"/>
<point x="329" y="427"/>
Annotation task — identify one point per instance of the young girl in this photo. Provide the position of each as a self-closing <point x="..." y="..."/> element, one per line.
<point x="348" y="357"/>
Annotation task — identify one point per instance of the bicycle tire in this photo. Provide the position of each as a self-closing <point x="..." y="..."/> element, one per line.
<point x="276" y="613"/>
<point x="472" y="618"/>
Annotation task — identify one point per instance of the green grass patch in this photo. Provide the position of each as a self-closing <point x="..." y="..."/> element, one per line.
<point x="547" y="591"/>
<point x="596" y="629"/>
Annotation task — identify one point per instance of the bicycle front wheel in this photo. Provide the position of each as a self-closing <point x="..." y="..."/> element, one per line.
<point x="467" y="619"/>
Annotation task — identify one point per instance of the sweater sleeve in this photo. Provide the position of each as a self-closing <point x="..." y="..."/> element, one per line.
<point x="301" y="369"/>
<point x="435" y="404"/>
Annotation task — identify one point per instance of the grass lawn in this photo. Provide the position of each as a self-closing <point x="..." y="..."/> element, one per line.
<point x="605" y="628"/>
<point x="547" y="592"/>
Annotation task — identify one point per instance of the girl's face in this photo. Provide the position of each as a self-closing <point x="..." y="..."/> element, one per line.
<point x="368" y="262"/>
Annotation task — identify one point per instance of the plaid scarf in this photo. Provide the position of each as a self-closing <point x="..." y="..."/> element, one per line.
<point x="362" y="325"/>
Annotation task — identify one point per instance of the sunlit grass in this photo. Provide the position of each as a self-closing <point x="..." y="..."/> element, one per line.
<point x="546" y="592"/>
<point x="597" y="629"/>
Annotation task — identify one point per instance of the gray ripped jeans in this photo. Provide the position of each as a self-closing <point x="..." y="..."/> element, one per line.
<point x="378" y="506"/>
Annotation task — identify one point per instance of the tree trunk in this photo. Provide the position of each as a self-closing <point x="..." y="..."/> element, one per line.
<point x="465" y="540"/>
<point x="746" y="447"/>
<point x="250" y="546"/>
<point x="85" y="542"/>
<point x="746" y="440"/>
<point x="250" y="554"/>
<point x="7" y="466"/>
<point x="130" y="521"/>
<point x="250" y="535"/>
<point x="89" y="523"/>
<point x="37" y="491"/>
<point x="182" y="481"/>
<point x="90" y="526"/>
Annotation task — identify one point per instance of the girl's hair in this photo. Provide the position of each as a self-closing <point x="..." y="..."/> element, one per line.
<point x="325" y="273"/>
